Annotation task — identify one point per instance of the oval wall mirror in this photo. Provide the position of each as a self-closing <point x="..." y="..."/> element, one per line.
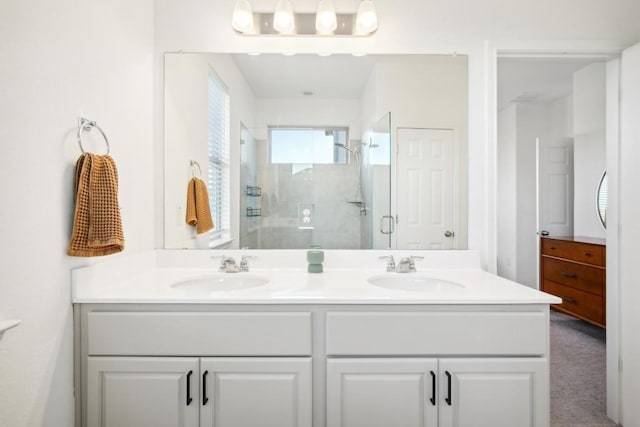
<point x="603" y="193"/>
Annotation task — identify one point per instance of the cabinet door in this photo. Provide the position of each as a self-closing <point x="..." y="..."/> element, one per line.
<point x="142" y="392"/>
<point x="382" y="392"/>
<point x="265" y="392"/>
<point x="494" y="393"/>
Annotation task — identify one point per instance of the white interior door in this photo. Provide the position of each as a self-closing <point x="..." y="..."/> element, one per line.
<point x="555" y="187"/>
<point x="425" y="215"/>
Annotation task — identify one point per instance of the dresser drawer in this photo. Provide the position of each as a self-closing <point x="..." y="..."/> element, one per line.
<point x="578" y="276"/>
<point x="584" y="305"/>
<point x="576" y="251"/>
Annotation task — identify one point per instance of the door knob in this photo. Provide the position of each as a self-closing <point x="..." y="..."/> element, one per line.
<point x="449" y="233"/>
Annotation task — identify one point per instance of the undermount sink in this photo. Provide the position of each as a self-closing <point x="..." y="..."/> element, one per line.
<point x="413" y="282"/>
<point x="222" y="282"/>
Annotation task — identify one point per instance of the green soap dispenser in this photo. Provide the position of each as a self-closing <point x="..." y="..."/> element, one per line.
<point x="315" y="257"/>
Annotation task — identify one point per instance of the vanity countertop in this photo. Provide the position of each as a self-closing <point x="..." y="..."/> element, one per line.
<point x="147" y="278"/>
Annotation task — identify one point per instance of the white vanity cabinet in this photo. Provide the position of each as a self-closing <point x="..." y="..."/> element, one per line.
<point x="268" y="392"/>
<point x="198" y="392"/>
<point x="506" y="387"/>
<point x="493" y="392"/>
<point x="195" y="369"/>
<point x="380" y="392"/>
<point x="142" y="391"/>
<point x="312" y="365"/>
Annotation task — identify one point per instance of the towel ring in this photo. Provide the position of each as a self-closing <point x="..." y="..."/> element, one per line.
<point x="193" y="169"/>
<point x="84" y="124"/>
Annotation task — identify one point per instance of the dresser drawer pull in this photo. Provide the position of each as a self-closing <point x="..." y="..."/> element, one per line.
<point x="567" y="274"/>
<point x="568" y="299"/>
<point x="587" y="254"/>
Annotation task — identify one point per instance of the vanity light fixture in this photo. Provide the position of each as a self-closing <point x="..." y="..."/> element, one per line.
<point x="367" y="18"/>
<point x="242" y="19"/>
<point x="283" y="21"/>
<point x="326" y="20"/>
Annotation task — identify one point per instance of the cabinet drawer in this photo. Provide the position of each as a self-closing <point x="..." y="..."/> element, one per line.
<point x="582" y="304"/>
<point x="202" y="334"/>
<point x="418" y="333"/>
<point x="582" y="277"/>
<point x="576" y="251"/>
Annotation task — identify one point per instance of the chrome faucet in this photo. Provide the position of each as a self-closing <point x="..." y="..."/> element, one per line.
<point x="228" y="264"/>
<point x="244" y="262"/>
<point x="407" y="265"/>
<point x="391" y="263"/>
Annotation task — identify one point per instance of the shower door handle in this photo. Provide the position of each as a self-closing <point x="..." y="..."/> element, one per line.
<point x="391" y="222"/>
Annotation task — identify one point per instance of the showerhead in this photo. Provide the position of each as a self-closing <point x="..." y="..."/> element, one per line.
<point x="338" y="144"/>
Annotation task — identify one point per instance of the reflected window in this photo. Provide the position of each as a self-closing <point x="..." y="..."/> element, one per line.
<point x="307" y="146"/>
<point x="218" y="180"/>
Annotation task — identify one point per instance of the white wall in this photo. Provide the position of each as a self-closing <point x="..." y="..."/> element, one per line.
<point x="506" y="188"/>
<point x="62" y="60"/>
<point x="613" y="238"/>
<point x="589" y="146"/>
<point x="629" y="204"/>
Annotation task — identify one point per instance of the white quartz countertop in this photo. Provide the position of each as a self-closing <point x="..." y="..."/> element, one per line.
<point x="149" y="279"/>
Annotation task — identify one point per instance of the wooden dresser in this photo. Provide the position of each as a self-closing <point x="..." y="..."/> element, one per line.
<point x="573" y="268"/>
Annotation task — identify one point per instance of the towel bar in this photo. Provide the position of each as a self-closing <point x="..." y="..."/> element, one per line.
<point x="85" y="124"/>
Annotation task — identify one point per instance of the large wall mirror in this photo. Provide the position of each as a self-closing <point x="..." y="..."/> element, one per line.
<point x="340" y="151"/>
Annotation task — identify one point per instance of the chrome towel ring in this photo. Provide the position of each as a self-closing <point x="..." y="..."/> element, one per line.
<point x="195" y="164"/>
<point x="87" y="125"/>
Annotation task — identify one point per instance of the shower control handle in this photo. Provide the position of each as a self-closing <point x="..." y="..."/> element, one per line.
<point x="391" y="224"/>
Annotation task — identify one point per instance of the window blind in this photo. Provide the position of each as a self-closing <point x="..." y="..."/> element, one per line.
<point x="218" y="170"/>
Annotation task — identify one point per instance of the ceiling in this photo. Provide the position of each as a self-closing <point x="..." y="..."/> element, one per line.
<point x="537" y="79"/>
<point x="333" y="76"/>
<point x="281" y="76"/>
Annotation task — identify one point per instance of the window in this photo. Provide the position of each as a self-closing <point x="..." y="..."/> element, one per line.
<point x="308" y="145"/>
<point x="219" y="171"/>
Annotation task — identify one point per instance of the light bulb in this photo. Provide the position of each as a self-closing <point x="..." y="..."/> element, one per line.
<point x="367" y="19"/>
<point x="242" y="19"/>
<point x="326" y="20"/>
<point x="283" y="19"/>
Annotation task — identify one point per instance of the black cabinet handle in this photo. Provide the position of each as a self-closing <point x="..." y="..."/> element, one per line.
<point x="568" y="299"/>
<point x="205" y="399"/>
<point x="567" y="274"/>
<point x="189" y="398"/>
<point x="433" y="389"/>
<point x="448" y="398"/>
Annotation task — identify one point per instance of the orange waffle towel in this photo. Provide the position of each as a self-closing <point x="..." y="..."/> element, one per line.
<point x="97" y="227"/>
<point x="198" y="211"/>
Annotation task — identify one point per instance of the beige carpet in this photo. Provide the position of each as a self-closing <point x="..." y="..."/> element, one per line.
<point x="578" y="368"/>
